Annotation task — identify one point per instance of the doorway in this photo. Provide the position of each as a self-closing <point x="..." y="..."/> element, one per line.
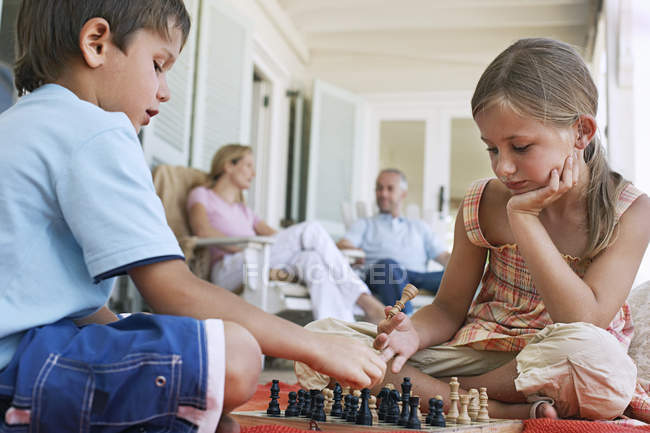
<point x="401" y="146"/>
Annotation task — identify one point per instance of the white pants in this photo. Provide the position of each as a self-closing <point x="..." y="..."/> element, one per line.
<point x="307" y="251"/>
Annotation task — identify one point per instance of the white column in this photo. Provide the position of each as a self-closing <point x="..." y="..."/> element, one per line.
<point x="628" y="91"/>
<point x="641" y="41"/>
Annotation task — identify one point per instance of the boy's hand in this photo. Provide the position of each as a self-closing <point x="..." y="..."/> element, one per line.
<point x="349" y="361"/>
<point x="533" y="202"/>
<point x="397" y="338"/>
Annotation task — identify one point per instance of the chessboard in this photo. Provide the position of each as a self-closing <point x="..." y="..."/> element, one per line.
<point x="387" y="411"/>
<point x="255" y="418"/>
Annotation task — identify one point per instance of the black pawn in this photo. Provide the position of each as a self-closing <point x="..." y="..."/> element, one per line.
<point x="318" y="414"/>
<point x="292" y="409"/>
<point x="383" y="403"/>
<point x="306" y="407"/>
<point x="364" y="416"/>
<point x="301" y="400"/>
<point x="313" y="393"/>
<point x="337" y="409"/>
<point x="274" y="405"/>
<point x="354" y="404"/>
<point x="414" y="420"/>
<point x="438" y="419"/>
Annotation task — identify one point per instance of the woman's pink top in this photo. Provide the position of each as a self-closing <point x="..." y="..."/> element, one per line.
<point x="231" y="219"/>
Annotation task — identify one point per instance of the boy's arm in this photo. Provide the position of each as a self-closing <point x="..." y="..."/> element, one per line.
<point x="345" y="244"/>
<point x="102" y="316"/>
<point x="170" y="288"/>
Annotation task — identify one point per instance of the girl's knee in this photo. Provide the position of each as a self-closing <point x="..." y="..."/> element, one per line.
<point x="243" y="365"/>
<point x="583" y="367"/>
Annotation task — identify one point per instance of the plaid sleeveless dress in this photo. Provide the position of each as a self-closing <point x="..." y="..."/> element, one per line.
<point x="508" y="311"/>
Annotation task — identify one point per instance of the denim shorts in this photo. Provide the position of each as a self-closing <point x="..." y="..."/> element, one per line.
<point x="130" y="376"/>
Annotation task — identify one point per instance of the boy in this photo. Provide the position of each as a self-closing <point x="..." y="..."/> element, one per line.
<point x="78" y="207"/>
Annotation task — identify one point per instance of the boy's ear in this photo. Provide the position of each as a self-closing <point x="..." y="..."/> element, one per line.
<point x="585" y="129"/>
<point x="94" y="39"/>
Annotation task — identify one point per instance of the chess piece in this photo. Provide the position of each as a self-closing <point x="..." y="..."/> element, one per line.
<point x="318" y="414"/>
<point x="437" y="419"/>
<point x="473" y="408"/>
<point x="414" y="420"/>
<point x="313" y="393"/>
<point x="274" y="404"/>
<point x="301" y="400"/>
<point x="337" y="409"/>
<point x="463" y="417"/>
<point x="406" y="393"/>
<point x="372" y="404"/>
<point x="306" y="407"/>
<point x="483" y="415"/>
<point x="383" y="403"/>
<point x="354" y="404"/>
<point x="452" y="414"/>
<point x="432" y="409"/>
<point x="364" y="416"/>
<point x="292" y="409"/>
<point x="329" y="399"/>
<point x="392" y="413"/>
<point x="409" y="292"/>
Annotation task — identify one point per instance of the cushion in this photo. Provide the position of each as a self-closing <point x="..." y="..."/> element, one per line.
<point x="639" y="301"/>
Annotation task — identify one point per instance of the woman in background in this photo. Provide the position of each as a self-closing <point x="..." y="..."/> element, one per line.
<point x="217" y="209"/>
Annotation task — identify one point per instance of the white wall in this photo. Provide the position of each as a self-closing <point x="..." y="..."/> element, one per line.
<point x="628" y="92"/>
<point x="281" y="54"/>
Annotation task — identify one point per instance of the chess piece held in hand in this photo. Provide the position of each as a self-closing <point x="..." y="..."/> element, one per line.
<point x="409" y="292"/>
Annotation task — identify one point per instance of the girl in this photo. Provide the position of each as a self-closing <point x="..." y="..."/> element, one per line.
<point x="563" y="237"/>
<point x="305" y="250"/>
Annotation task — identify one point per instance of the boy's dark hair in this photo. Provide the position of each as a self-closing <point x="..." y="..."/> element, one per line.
<point x="48" y="31"/>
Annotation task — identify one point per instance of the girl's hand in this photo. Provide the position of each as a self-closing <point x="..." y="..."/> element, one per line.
<point x="533" y="202"/>
<point x="397" y="338"/>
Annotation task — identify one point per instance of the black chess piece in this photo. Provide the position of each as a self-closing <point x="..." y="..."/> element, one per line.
<point x="432" y="411"/>
<point x="438" y="419"/>
<point x="274" y="404"/>
<point x="406" y="393"/>
<point x="337" y="409"/>
<point x="414" y="420"/>
<point x="354" y="404"/>
<point x="364" y="416"/>
<point x="392" y="413"/>
<point x="301" y="400"/>
<point x="383" y="404"/>
<point x="318" y="414"/>
<point x="292" y="409"/>
<point x="313" y="393"/>
<point x="306" y="407"/>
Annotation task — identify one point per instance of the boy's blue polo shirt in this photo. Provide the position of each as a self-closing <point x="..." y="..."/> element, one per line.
<point x="77" y="207"/>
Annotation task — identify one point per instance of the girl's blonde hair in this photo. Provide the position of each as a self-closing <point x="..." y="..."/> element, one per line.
<point x="232" y="153"/>
<point x="548" y="81"/>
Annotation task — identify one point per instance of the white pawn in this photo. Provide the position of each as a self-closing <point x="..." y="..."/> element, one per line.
<point x="372" y="405"/>
<point x="483" y="415"/>
<point x="464" y="418"/>
<point x="329" y="400"/>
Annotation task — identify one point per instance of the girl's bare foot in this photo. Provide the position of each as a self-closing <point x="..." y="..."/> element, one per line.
<point x="546" y="410"/>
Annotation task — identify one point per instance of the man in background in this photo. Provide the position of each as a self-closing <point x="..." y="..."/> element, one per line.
<point x="397" y="249"/>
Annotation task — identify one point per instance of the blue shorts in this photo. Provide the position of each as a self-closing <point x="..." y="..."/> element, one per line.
<point x="137" y="372"/>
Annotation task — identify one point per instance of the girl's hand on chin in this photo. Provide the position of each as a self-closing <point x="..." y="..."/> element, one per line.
<point x="533" y="202"/>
